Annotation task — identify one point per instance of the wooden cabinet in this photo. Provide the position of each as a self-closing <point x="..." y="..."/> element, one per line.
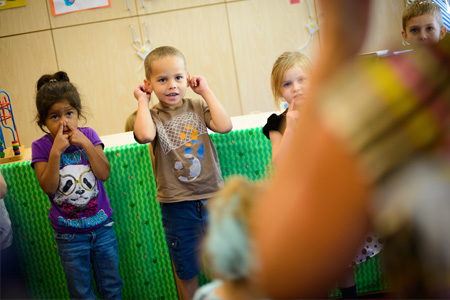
<point x="261" y="30"/>
<point x="154" y="6"/>
<point x="233" y="43"/>
<point x="101" y="61"/>
<point x="23" y="19"/>
<point x="24" y="58"/>
<point x="385" y="26"/>
<point x="202" y="35"/>
<point x="118" y="9"/>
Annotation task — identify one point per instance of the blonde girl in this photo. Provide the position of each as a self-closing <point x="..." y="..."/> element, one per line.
<point x="289" y="82"/>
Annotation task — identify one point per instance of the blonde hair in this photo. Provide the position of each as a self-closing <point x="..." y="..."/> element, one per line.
<point x="159" y="53"/>
<point x="129" y="124"/>
<point x="422" y="7"/>
<point x="228" y="245"/>
<point x="283" y="63"/>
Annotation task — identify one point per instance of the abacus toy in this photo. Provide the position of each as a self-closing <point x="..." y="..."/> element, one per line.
<point x="12" y="153"/>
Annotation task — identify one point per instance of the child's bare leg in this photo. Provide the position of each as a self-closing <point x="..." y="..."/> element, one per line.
<point x="188" y="288"/>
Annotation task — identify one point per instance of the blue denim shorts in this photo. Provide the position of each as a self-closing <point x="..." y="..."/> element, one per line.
<point x="185" y="226"/>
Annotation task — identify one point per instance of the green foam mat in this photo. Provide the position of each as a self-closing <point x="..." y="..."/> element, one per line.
<point x="28" y="208"/>
<point x="369" y="277"/>
<point x="244" y="152"/>
<point x="145" y="265"/>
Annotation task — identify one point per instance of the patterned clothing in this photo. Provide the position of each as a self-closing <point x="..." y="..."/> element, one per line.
<point x="372" y="243"/>
<point x="275" y="123"/>
<point x="401" y="107"/>
<point x="371" y="246"/>
<point x="208" y="291"/>
<point x="6" y="234"/>
<point x="80" y="203"/>
<point x="186" y="162"/>
<point x="394" y="117"/>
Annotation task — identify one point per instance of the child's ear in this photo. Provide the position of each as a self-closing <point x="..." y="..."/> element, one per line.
<point x="188" y="80"/>
<point x="443" y="32"/>
<point x="405" y="41"/>
<point x="147" y="84"/>
<point x="404" y="36"/>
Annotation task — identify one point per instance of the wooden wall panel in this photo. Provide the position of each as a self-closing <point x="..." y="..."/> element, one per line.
<point x="385" y="26"/>
<point x="154" y="6"/>
<point x="203" y="36"/>
<point x="261" y="30"/>
<point x="233" y="43"/>
<point x="24" y="19"/>
<point x="101" y="61"/>
<point x="118" y="9"/>
<point x="25" y="58"/>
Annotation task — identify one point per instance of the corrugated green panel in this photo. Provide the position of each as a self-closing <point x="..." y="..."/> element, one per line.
<point x="369" y="277"/>
<point x="245" y="152"/>
<point x="145" y="264"/>
<point x="33" y="235"/>
<point x="248" y="152"/>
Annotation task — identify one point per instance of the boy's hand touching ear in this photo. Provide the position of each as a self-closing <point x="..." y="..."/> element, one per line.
<point x="198" y="84"/>
<point x="141" y="92"/>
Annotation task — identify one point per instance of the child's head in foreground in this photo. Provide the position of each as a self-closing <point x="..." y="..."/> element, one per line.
<point x="228" y="244"/>
<point x="57" y="99"/>
<point x="290" y="77"/>
<point x="422" y="23"/>
<point x="166" y="75"/>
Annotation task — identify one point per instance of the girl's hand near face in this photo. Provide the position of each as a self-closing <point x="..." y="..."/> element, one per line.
<point x="76" y="137"/>
<point x="198" y="84"/>
<point x="291" y="116"/>
<point x="61" y="140"/>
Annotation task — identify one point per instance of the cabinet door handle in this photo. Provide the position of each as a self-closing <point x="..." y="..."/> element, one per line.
<point x="143" y="5"/>
<point x="136" y="44"/>
<point x="149" y="41"/>
<point x="128" y="5"/>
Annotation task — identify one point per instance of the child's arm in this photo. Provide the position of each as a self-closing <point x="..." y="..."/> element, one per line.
<point x="2" y="186"/>
<point x="220" y="121"/>
<point x="144" y="128"/>
<point x="97" y="159"/>
<point x="47" y="173"/>
<point x="282" y="142"/>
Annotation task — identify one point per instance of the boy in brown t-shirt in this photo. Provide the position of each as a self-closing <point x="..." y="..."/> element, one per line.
<point x="186" y="164"/>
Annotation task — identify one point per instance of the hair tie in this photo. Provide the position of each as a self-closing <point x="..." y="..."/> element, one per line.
<point x="53" y="80"/>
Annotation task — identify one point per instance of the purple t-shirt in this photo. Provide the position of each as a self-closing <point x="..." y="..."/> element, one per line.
<point x="80" y="203"/>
